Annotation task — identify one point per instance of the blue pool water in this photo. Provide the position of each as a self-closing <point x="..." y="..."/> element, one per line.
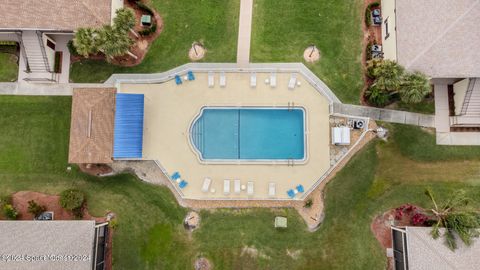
<point x="249" y="133"/>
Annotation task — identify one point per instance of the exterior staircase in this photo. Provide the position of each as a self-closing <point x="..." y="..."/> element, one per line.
<point x="471" y="104"/>
<point x="35" y="52"/>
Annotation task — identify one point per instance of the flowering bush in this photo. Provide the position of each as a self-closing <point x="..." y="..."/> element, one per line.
<point x="411" y="214"/>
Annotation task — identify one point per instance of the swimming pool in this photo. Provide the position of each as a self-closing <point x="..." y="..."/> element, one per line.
<point x="249" y="134"/>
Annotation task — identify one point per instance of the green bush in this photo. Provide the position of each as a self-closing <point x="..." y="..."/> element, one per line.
<point x="72" y="199"/>
<point x="10" y="212"/>
<point x="72" y="49"/>
<point x="308" y="203"/>
<point x="35" y="209"/>
<point x="377" y="96"/>
<point x="148" y="31"/>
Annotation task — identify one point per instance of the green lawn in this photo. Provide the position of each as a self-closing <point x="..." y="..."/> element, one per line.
<point x="33" y="154"/>
<point x="213" y="22"/>
<point x="8" y="67"/>
<point x="283" y="29"/>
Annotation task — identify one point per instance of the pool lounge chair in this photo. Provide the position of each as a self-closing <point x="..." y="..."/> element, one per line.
<point x="182" y="184"/>
<point x="206" y="185"/>
<point x="190" y="76"/>
<point x="292" y="82"/>
<point x="226" y="187"/>
<point x="273" y="80"/>
<point x="178" y="80"/>
<point x="291" y="193"/>
<point x="211" y="81"/>
<point x="236" y="186"/>
<point x="271" y="189"/>
<point x="175" y="176"/>
<point x="223" y="80"/>
<point x="253" y="80"/>
<point x="250" y="188"/>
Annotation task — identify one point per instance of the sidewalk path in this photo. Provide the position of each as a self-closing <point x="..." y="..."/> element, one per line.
<point x="393" y="116"/>
<point x="244" y="32"/>
<point x="43" y="89"/>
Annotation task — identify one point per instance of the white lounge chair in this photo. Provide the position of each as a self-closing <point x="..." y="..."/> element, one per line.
<point x="253" y="80"/>
<point x="250" y="188"/>
<point x="236" y="186"/>
<point x="211" y="81"/>
<point x="292" y="82"/>
<point x="223" y="79"/>
<point x="226" y="187"/>
<point x="271" y="189"/>
<point x="206" y="185"/>
<point x="273" y="80"/>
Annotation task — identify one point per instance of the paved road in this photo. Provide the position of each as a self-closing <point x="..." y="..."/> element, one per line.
<point x="244" y="32"/>
<point x="392" y="116"/>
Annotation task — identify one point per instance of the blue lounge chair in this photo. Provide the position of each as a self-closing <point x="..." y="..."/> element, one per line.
<point x="175" y="176"/>
<point x="300" y="188"/>
<point x="182" y="184"/>
<point x="291" y="193"/>
<point x="178" y="80"/>
<point x="190" y="75"/>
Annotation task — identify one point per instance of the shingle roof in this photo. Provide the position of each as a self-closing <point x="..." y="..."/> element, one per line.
<point x="66" y="15"/>
<point x="439" y="37"/>
<point x="91" y="131"/>
<point x="45" y="238"/>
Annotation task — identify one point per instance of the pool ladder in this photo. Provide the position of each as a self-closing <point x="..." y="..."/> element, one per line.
<point x="290" y="162"/>
<point x="291" y="106"/>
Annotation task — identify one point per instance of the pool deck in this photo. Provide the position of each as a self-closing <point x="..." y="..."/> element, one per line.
<point x="170" y="110"/>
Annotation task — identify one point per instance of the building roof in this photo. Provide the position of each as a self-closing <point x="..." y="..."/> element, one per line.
<point x="64" y="15"/>
<point x="45" y="238"/>
<point x="91" y="130"/>
<point x="128" y="138"/>
<point x="439" y="37"/>
<point x="424" y="252"/>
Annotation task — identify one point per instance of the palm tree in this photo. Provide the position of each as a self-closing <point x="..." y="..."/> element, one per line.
<point x="86" y="41"/>
<point x="388" y="76"/>
<point x="124" y="19"/>
<point x="377" y="96"/>
<point x="415" y="86"/>
<point x="114" y="42"/>
<point x="456" y="218"/>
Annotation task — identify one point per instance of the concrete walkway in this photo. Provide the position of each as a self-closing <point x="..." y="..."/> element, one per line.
<point x="43" y="89"/>
<point x="244" y="32"/>
<point x="393" y="116"/>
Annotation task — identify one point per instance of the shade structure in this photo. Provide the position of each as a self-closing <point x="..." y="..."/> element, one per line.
<point x="128" y="131"/>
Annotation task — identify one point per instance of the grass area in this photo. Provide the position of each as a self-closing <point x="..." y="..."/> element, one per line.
<point x="283" y="29"/>
<point x="212" y="22"/>
<point x="8" y="67"/>
<point x="33" y="154"/>
<point x="427" y="106"/>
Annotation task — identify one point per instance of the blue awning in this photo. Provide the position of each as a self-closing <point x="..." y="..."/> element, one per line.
<point x="128" y="131"/>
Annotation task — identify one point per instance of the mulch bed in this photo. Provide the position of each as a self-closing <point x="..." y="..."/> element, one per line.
<point x="52" y="203"/>
<point x="141" y="45"/>
<point x="371" y="34"/>
<point x="95" y="169"/>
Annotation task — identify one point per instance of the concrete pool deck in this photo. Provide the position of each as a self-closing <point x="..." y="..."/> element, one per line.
<point x="170" y="110"/>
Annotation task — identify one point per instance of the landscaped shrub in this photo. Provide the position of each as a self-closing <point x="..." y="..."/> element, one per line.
<point x="368" y="52"/>
<point x="377" y="97"/>
<point x="72" y="49"/>
<point x="35" y="209"/>
<point x="148" y="31"/>
<point x="10" y="212"/>
<point x="72" y="199"/>
<point x="308" y="203"/>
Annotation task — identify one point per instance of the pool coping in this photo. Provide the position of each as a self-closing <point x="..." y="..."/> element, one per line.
<point x="251" y="161"/>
